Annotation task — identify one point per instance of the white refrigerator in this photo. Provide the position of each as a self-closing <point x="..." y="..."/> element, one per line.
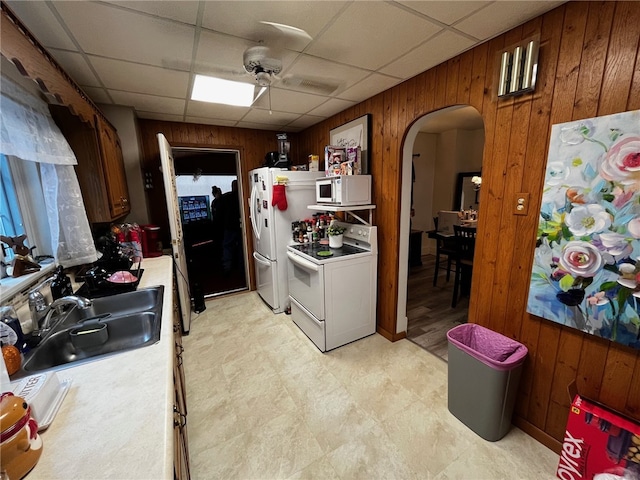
<point x="272" y="228"/>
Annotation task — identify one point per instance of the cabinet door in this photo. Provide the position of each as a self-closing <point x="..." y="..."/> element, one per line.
<point x="100" y="167"/>
<point x="114" y="172"/>
<point x="181" y="444"/>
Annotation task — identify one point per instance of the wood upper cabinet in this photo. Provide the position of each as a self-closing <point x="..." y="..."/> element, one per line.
<point x="100" y="167"/>
<point x="114" y="173"/>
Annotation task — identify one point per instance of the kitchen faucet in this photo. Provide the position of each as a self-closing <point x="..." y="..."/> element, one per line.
<point x="81" y="302"/>
<point x="41" y="312"/>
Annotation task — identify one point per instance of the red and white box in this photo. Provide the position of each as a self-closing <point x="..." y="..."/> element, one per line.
<point x="599" y="444"/>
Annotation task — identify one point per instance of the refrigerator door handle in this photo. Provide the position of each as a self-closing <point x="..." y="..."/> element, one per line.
<point x="253" y="212"/>
<point x="261" y="260"/>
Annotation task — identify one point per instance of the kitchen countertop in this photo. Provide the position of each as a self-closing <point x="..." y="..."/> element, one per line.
<point x="116" y="420"/>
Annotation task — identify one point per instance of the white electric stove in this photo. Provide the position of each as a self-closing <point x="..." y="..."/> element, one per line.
<point x="333" y="290"/>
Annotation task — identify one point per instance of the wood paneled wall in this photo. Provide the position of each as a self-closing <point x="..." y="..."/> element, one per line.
<point x="589" y="66"/>
<point x="252" y="144"/>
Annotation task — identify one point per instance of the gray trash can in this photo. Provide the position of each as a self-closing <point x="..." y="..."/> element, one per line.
<point x="484" y="372"/>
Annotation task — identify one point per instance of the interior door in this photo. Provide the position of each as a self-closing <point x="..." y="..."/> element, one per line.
<point x="177" y="238"/>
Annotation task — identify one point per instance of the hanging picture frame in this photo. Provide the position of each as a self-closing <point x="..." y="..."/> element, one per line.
<point x="355" y="133"/>
<point x="586" y="267"/>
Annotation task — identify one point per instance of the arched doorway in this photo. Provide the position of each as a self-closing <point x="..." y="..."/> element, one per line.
<point x="448" y="142"/>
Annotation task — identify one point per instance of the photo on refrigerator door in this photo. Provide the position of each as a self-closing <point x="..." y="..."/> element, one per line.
<point x="586" y="266"/>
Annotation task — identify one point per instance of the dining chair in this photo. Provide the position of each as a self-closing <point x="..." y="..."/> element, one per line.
<point x="444" y="247"/>
<point x="465" y="242"/>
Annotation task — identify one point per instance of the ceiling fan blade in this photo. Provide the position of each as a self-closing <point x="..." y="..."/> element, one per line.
<point x="289" y="30"/>
<point x="308" y="84"/>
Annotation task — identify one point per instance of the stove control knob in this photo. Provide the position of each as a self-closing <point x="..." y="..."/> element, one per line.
<point x="351" y="230"/>
<point x="360" y="232"/>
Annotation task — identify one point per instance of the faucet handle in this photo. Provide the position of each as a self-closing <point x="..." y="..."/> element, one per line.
<point x="37" y="302"/>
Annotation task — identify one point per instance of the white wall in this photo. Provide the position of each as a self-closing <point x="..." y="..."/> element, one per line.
<point x="124" y="120"/>
<point x="187" y="187"/>
<point x="425" y="146"/>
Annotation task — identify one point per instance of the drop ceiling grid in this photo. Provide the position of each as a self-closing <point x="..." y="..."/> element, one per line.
<point x="141" y="54"/>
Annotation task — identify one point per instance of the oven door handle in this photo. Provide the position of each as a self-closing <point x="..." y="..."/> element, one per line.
<point x="306" y="264"/>
<point x="261" y="260"/>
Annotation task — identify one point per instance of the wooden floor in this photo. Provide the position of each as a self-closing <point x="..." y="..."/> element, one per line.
<point x="429" y="311"/>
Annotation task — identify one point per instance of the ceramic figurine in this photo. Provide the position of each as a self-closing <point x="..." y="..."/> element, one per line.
<point x="20" y="446"/>
<point x="23" y="262"/>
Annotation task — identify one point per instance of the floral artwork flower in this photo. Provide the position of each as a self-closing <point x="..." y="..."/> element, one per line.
<point x="586" y="266"/>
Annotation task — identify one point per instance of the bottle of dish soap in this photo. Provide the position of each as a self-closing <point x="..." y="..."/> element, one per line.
<point x="61" y="284"/>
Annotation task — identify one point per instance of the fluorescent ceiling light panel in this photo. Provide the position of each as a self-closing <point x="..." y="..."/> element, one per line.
<point x="217" y="90"/>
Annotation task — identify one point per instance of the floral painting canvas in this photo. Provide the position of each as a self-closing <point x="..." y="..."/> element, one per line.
<point x="586" y="267"/>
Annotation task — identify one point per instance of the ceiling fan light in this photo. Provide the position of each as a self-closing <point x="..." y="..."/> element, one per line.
<point x="217" y="90"/>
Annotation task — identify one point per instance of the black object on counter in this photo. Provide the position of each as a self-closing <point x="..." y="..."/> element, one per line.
<point x="105" y="288"/>
<point x="61" y="284"/>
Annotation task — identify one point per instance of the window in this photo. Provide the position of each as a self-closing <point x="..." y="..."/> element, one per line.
<point x="22" y="207"/>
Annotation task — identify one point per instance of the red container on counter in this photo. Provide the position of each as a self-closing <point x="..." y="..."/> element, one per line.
<point x="151" y="243"/>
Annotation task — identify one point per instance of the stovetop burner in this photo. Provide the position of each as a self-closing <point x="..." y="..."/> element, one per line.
<point x="324" y="252"/>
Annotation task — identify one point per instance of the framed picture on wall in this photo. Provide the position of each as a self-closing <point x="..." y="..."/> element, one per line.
<point x="586" y="266"/>
<point x="355" y="133"/>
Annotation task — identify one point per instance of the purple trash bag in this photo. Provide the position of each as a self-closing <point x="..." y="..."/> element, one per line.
<point x="491" y="348"/>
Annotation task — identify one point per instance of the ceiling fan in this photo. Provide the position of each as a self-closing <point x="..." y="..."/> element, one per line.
<point x="264" y="65"/>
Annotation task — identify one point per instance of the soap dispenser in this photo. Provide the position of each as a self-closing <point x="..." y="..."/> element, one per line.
<point x="61" y="284"/>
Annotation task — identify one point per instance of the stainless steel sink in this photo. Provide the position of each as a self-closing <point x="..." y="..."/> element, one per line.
<point x="142" y="300"/>
<point x="132" y="320"/>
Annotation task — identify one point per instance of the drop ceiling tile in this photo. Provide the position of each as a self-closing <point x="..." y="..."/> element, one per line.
<point x="133" y="77"/>
<point x="39" y="19"/>
<point x="370" y="35"/>
<point x="288" y="101"/>
<point x="430" y="54"/>
<point x="182" y="11"/>
<point x="159" y="116"/>
<point x="215" y="110"/>
<point x="98" y="95"/>
<point x="331" y="107"/>
<point x="217" y="51"/>
<point x="447" y="12"/>
<point x="119" y="34"/>
<point x="305" y="121"/>
<point x="370" y="86"/>
<point x="257" y="115"/>
<point x="261" y="126"/>
<point x="76" y="66"/>
<point x="148" y="103"/>
<point x="211" y="121"/>
<point x="243" y="19"/>
<point x="502" y="16"/>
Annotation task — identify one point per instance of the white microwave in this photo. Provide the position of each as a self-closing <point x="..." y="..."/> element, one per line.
<point x="344" y="190"/>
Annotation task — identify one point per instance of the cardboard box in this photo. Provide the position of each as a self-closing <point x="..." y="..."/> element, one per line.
<point x="599" y="444"/>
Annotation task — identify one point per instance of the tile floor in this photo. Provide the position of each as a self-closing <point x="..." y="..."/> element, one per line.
<point x="264" y="403"/>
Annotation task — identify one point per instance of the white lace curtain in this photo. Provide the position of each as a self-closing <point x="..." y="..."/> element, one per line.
<point x="28" y="132"/>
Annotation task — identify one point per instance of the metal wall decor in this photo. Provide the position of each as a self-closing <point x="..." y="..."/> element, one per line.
<point x="518" y="70"/>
